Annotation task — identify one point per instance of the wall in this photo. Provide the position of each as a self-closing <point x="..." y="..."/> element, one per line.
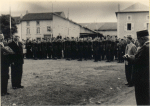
<point x="137" y="19"/>
<point x="111" y="33"/>
<point x="33" y="29"/>
<point x="65" y="28"/>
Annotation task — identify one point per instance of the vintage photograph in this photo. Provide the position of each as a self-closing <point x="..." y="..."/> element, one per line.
<point x="77" y="52"/>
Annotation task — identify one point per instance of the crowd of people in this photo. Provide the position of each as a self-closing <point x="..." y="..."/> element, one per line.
<point x="134" y="52"/>
<point x="105" y="48"/>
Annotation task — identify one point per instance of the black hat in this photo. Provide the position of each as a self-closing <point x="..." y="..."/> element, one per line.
<point x="142" y="33"/>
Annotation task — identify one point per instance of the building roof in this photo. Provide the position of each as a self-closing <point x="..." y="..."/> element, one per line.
<point x="39" y="16"/>
<point x="93" y="26"/>
<point x="109" y="26"/>
<point x="137" y="7"/>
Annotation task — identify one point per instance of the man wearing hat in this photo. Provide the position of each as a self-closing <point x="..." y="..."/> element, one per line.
<point x="130" y="50"/>
<point x="17" y="65"/>
<point x="141" y="69"/>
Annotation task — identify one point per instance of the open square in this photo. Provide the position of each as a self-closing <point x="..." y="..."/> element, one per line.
<point x="61" y="82"/>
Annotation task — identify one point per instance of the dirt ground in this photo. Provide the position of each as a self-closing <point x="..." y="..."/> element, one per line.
<point x="61" y="82"/>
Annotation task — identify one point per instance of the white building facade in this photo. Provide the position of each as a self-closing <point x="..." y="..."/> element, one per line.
<point x="47" y="25"/>
<point x="132" y="19"/>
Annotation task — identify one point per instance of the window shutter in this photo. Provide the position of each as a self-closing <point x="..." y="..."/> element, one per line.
<point x="125" y="27"/>
<point x="132" y="26"/>
<point x="145" y="27"/>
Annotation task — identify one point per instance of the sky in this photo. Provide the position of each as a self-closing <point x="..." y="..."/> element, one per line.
<point x="80" y="11"/>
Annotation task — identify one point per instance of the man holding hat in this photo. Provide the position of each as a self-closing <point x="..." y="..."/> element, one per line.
<point x="141" y="69"/>
<point x="17" y="65"/>
<point x="5" y="63"/>
<point x="130" y="50"/>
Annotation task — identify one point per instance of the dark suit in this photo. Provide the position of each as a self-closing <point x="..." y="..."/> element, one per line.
<point x="108" y="50"/>
<point x="141" y="75"/>
<point x="5" y="62"/>
<point x="16" y="68"/>
<point x="96" y="50"/>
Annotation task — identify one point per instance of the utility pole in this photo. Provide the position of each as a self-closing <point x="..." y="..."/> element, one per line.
<point x="52" y="20"/>
<point x="10" y="20"/>
<point x="68" y="22"/>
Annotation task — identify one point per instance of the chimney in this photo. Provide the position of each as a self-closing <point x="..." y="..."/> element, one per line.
<point x="27" y="12"/>
<point x="21" y="16"/>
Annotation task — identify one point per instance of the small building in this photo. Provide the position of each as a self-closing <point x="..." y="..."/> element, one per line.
<point x="47" y="25"/>
<point x="105" y="28"/>
<point x="132" y="19"/>
<point x="108" y="28"/>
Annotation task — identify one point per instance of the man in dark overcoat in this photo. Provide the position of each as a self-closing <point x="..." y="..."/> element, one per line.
<point x="80" y="49"/>
<point x="96" y="49"/>
<point x="141" y="69"/>
<point x="5" y="63"/>
<point x="17" y="65"/>
<point x="49" y="48"/>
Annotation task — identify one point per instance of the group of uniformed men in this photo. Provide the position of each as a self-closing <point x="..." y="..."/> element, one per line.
<point x="108" y="48"/>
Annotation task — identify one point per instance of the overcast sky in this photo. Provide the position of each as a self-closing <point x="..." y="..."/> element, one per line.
<point x="81" y="11"/>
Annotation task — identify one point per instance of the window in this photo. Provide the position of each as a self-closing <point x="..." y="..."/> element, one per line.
<point x="28" y="23"/>
<point x="147" y="26"/>
<point x="48" y="28"/>
<point x="28" y="30"/>
<point x="129" y="18"/>
<point x="37" y="22"/>
<point x="128" y="26"/>
<point x="38" y="38"/>
<point x="147" y="17"/>
<point x="38" y="30"/>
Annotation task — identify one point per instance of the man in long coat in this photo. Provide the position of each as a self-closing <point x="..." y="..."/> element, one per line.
<point x="5" y="63"/>
<point x="17" y="66"/>
<point x="141" y="69"/>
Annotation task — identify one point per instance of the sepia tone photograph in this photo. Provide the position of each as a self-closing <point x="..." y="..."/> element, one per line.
<point x="77" y="52"/>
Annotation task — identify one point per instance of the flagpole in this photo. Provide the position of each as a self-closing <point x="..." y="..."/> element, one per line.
<point x="68" y="22"/>
<point x="10" y="20"/>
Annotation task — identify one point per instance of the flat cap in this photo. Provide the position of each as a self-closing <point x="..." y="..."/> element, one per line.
<point x="142" y="33"/>
<point x="129" y="36"/>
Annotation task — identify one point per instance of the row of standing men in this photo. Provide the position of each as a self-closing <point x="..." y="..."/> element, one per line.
<point x="82" y="48"/>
